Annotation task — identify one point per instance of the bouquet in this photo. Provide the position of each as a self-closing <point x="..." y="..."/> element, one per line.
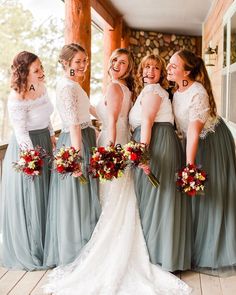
<point x="137" y="155"/>
<point x="68" y="161"/>
<point x="107" y="163"/>
<point x="31" y="161"/>
<point x="191" y="180"/>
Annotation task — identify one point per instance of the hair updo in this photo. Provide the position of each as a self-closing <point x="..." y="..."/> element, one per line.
<point x="69" y="51"/>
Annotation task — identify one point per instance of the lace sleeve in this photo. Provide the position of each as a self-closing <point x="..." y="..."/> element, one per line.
<point x="70" y="103"/>
<point x="199" y="108"/>
<point x="155" y="89"/>
<point x="18" y="116"/>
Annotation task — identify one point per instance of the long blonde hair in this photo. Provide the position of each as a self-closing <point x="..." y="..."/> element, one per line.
<point x="161" y="62"/>
<point x="129" y="75"/>
<point x="198" y="72"/>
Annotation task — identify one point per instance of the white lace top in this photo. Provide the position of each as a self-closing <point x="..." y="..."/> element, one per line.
<point x="29" y="114"/>
<point x="192" y="105"/>
<point x="72" y="104"/>
<point x="164" y="114"/>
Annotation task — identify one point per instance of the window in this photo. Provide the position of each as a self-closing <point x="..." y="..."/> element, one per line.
<point x="229" y="67"/>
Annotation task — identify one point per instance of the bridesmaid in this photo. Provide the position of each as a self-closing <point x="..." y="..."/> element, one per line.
<point x="165" y="213"/>
<point x="73" y="208"/>
<point x="209" y="143"/>
<point x="24" y="200"/>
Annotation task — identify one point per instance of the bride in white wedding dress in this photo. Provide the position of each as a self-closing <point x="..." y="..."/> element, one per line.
<point x="115" y="261"/>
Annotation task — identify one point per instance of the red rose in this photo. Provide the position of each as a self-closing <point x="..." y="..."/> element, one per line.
<point x="65" y="155"/>
<point x="60" y="169"/>
<point x="133" y="157"/>
<point x="101" y="149"/>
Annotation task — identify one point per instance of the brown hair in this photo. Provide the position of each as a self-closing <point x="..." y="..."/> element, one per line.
<point x="20" y="70"/>
<point x="69" y="51"/>
<point x="129" y="75"/>
<point x="161" y="62"/>
<point x="198" y="72"/>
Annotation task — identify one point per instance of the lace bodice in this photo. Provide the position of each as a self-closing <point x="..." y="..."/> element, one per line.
<point x="164" y="114"/>
<point x="122" y="124"/>
<point x="29" y="114"/>
<point x="192" y="105"/>
<point x="72" y="104"/>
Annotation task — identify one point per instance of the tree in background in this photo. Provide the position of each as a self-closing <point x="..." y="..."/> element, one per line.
<point x="19" y="31"/>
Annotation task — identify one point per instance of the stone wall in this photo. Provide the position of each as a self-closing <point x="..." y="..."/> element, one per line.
<point x="143" y="42"/>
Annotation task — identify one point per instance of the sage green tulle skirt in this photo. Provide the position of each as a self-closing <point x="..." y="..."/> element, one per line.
<point x="25" y="204"/>
<point x="214" y="214"/>
<point x="73" y="209"/>
<point x="165" y="213"/>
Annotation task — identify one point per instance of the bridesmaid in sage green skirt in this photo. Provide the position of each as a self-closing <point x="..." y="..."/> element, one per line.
<point x="73" y="208"/>
<point x="165" y="213"/>
<point x="25" y="200"/>
<point x="209" y="143"/>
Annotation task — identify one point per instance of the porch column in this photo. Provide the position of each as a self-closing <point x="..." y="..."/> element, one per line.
<point x="112" y="41"/>
<point x="78" y="30"/>
<point x="125" y="37"/>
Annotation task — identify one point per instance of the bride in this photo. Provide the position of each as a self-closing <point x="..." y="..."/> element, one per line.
<point x="115" y="261"/>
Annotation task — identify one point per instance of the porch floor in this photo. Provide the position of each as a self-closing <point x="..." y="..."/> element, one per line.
<point x="24" y="283"/>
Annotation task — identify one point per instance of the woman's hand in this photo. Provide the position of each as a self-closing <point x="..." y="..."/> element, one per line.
<point x="53" y="142"/>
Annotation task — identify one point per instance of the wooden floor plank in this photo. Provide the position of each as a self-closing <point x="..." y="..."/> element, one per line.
<point x="30" y="283"/>
<point x="210" y="285"/>
<point x="9" y="280"/>
<point x="3" y="271"/>
<point x="193" y="280"/>
<point x="38" y="288"/>
<point x="27" y="283"/>
<point x="228" y="285"/>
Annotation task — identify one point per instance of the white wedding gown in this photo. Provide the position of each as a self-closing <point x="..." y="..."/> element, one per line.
<point x="115" y="261"/>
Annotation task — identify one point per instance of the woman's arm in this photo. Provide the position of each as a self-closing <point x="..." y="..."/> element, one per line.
<point x="114" y="99"/>
<point x="93" y="112"/>
<point x="194" y="130"/>
<point x="150" y="106"/>
<point x="76" y="137"/>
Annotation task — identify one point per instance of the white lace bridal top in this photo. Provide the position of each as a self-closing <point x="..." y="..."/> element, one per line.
<point x="191" y="105"/>
<point x="29" y="114"/>
<point x="72" y="104"/>
<point x="165" y="113"/>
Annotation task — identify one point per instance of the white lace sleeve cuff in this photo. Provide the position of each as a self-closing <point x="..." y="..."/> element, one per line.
<point x="155" y="89"/>
<point x="199" y="108"/>
<point x="18" y="116"/>
<point x="69" y="99"/>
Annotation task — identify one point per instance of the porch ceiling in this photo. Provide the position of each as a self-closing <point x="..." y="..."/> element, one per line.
<point x="167" y="16"/>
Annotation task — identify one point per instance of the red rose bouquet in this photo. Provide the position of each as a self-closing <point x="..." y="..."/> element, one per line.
<point x="31" y="161"/>
<point x="68" y="161"/>
<point x="191" y="180"/>
<point x="107" y="163"/>
<point x="137" y="155"/>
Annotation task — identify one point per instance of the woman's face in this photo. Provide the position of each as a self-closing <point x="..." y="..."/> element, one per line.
<point x="77" y="67"/>
<point x="36" y="74"/>
<point x="119" y="66"/>
<point x="151" y="72"/>
<point x="175" y="69"/>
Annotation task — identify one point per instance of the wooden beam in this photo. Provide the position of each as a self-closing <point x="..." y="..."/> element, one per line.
<point x="104" y="12"/>
<point x="78" y="29"/>
<point x="112" y="41"/>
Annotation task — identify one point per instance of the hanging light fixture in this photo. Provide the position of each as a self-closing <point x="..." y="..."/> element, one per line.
<point x="210" y="56"/>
